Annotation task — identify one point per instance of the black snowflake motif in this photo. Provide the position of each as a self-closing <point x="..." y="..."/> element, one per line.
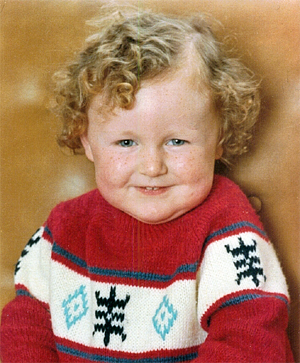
<point x="33" y="240"/>
<point x="110" y="315"/>
<point x="248" y="264"/>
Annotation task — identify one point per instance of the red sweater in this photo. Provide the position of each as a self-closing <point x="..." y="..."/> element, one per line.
<point x="94" y="284"/>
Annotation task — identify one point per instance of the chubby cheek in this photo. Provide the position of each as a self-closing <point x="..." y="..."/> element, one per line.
<point x="198" y="179"/>
<point x="112" y="170"/>
<point x="194" y="167"/>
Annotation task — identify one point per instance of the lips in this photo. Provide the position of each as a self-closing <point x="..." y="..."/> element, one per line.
<point x="153" y="190"/>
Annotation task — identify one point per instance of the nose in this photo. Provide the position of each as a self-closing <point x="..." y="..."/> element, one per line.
<point x="152" y="162"/>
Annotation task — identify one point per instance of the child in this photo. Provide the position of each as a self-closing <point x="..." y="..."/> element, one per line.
<point x="165" y="261"/>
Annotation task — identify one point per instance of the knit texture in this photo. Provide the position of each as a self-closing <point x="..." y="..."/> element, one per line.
<point x="94" y="284"/>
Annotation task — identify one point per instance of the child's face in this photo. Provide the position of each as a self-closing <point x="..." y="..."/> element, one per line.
<point x="156" y="160"/>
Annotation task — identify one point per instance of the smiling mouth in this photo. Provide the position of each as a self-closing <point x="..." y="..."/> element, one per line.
<point x="153" y="190"/>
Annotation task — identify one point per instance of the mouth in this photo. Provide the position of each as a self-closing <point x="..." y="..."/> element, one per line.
<point x="153" y="190"/>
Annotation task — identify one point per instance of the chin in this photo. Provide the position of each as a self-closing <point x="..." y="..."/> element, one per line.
<point x="147" y="219"/>
<point x="151" y="221"/>
<point x="158" y="219"/>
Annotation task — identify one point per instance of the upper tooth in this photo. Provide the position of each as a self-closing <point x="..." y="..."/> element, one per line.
<point x="151" y="188"/>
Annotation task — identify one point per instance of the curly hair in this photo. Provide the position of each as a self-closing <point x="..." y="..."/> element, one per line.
<point x="131" y="46"/>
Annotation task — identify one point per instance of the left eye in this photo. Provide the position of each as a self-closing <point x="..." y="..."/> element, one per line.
<point x="126" y="143"/>
<point x="176" y="142"/>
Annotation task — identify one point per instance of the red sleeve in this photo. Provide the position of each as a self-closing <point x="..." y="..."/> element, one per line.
<point x="252" y="331"/>
<point x="242" y="293"/>
<point x="26" y="333"/>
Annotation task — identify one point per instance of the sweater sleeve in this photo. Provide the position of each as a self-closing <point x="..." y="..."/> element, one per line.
<point x="242" y="293"/>
<point x="26" y="331"/>
<point x="252" y="331"/>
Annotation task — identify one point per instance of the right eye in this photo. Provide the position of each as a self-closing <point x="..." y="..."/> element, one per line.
<point x="176" y="142"/>
<point x="126" y="143"/>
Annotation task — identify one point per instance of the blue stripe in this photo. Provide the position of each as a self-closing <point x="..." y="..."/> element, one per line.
<point x="124" y="274"/>
<point x="21" y="292"/>
<point x="144" y="275"/>
<point x="101" y="358"/>
<point x="239" y="299"/>
<point x="69" y="256"/>
<point x="242" y="298"/>
<point x="232" y="228"/>
<point x="47" y="230"/>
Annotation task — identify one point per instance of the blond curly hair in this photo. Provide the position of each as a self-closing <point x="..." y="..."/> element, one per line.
<point x="131" y="46"/>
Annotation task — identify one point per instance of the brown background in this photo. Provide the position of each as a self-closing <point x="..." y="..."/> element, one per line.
<point x="37" y="36"/>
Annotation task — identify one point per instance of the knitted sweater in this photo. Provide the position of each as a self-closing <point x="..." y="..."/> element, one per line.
<point x="94" y="284"/>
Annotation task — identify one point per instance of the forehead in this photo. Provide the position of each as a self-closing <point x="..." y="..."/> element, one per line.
<point x="185" y="85"/>
<point x="178" y="96"/>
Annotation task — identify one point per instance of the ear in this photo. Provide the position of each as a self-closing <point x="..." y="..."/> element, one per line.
<point x="219" y="147"/>
<point x="219" y="151"/>
<point x="87" y="146"/>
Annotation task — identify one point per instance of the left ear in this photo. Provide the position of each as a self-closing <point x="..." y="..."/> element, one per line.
<point x="87" y="146"/>
<point x="219" y="147"/>
<point x="219" y="151"/>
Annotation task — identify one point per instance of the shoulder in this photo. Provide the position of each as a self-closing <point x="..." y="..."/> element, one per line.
<point x="226" y="190"/>
<point x="84" y="204"/>
<point x="224" y="195"/>
<point x="68" y="216"/>
<point x="228" y="204"/>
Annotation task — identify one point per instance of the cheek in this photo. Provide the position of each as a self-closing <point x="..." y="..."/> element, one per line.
<point x="112" y="169"/>
<point x="192" y="166"/>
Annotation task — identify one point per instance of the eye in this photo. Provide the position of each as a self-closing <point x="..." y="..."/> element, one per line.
<point x="126" y="143"/>
<point x="176" y="142"/>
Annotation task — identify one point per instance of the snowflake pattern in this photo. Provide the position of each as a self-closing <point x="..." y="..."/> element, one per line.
<point x="110" y="315"/>
<point x="33" y="241"/>
<point x="164" y="318"/>
<point x="247" y="262"/>
<point x="75" y="306"/>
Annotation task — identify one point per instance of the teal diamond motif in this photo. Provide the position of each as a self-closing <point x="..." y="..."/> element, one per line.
<point x="75" y="306"/>
<point x="164" y="318"/>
